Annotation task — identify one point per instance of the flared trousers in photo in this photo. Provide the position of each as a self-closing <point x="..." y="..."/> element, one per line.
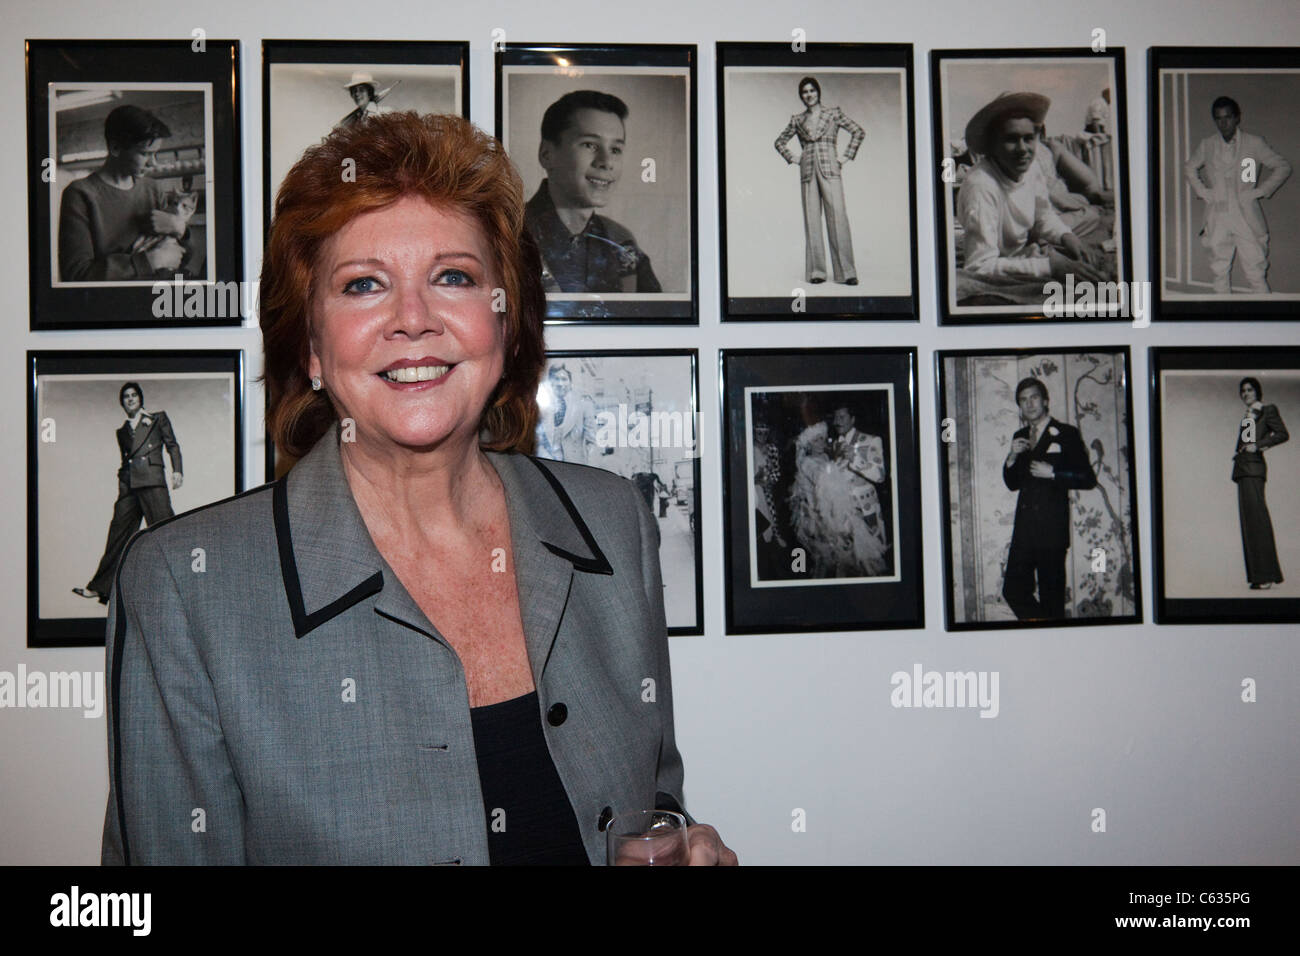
<point x="1257" y="533"/>
<point x="822" y="194"/>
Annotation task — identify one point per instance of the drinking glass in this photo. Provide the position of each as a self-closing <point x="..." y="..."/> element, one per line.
<point x="647" y="838"/>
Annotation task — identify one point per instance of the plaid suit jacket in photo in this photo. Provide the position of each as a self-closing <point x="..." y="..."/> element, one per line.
<point x="817" y="141"/>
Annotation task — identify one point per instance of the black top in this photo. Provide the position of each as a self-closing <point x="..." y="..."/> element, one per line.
<point x="529" y="817"/>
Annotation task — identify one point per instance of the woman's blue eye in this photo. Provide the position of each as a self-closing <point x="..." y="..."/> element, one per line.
<point x="455" y="277"/>
<point x="363" y="284"/>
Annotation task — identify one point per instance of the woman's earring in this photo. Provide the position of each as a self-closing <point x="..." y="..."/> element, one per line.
<point x="316" y="383"/>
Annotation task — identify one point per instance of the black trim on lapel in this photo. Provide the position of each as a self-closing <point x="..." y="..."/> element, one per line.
<point x="304" y="623"/>
<point x="598" y="563"/>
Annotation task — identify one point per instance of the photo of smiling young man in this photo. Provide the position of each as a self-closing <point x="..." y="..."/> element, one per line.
<point x="605" y="156"/>
<point x="584" y="135"/>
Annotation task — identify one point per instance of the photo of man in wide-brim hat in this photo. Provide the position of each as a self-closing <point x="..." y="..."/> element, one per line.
<point x="1010" y="229"/>
<point x="366" y="94"/>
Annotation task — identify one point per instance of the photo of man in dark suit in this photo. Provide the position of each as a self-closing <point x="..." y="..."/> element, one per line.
<point x="141" y="483"/>
<point x="1047" y="459"/>
<point x="582" y="145"/>
<point x="1261" y="428"/>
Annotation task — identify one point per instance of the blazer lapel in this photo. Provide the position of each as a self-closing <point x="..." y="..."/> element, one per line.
<point x="139" y="436"/>
<point x="817" y="129"/>
<point x="1040" y="447"/>
<point x="550" y="541"/>
<point x="327" y="559"/>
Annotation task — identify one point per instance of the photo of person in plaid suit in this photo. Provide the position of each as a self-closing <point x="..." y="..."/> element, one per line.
<point x="817" y="128"/>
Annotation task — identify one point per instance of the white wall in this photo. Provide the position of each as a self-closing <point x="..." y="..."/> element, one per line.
<point x="1143" y="721"/>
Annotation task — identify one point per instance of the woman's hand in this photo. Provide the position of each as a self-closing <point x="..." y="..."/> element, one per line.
<point x="707" y="848"/>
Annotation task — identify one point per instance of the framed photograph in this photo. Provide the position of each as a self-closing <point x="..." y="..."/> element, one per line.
<point x="816" y="180"/>
<point x="637" y="414"/>
<point x="822" y="485"/>
<point x="1225" y="229"/>
<point x="1036" y="458"/>
<point x="117" y="441"/>
<point x="311" y="87"/>
<point x="134" y="199"/>
<point x="1225" y="473"/>
<point x="604" y="138"/>
<point x="1031" y="187"/>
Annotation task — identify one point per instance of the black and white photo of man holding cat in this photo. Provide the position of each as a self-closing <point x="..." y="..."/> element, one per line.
<point x="119" y="223"/>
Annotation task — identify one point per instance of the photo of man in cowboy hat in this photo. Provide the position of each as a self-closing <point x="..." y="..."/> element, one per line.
<point x="366" y="94"/>
<point x="1010" y="228"/>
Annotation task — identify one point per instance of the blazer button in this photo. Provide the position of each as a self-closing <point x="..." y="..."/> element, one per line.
<point x="606" y="816"/>
<point x="557" y="715"/>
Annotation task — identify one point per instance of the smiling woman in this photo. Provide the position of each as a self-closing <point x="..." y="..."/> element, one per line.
<point x="433" y="282"/>
<point x="419" y="628"/>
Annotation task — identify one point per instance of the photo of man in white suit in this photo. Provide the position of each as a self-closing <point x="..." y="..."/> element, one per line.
<point x="1231" y="172"/>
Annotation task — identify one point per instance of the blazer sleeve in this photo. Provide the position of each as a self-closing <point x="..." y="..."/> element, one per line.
<point x="784" y="138"/>
<point x="869" y="459"/>
<point x="856" y="133"/>
<point x="173" y="797"/>
<point x="1013" y="475"/>
<point x="169" y="440"/>
<point x="1274" y="431"/>
<point x="668" y="784"/>
<point x="1077" y="471"/>
<point x="1278" y="168"/>
<point x="1192" y="175"/>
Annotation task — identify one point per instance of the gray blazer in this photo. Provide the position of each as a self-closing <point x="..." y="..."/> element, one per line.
<point x="278" y="697"/>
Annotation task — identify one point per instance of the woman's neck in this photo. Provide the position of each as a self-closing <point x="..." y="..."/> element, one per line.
<point x="402" y="492"/>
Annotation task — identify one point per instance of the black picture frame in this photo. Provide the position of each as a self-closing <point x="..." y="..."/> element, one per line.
<point x="985" y="298"/>
<point x="216" y="390"/>
<point x="652" y="244"/>
<point x="328" y="61"/>
<point x="797" y="391"/>
<point x="1207" y="559"/>
<point x="195" y="82"/>
<point x="751" y="73"/>
<point x="613" y="442"/>
<point x="980" y="510"/>
<point x="1262" y="80"/>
